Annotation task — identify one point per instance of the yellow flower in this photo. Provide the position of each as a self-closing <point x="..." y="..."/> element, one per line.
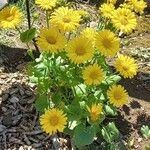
<point x="95" y="110"/>
<point x="138" y="5"/>
<point x="124" y="20"/>
<point x="112" y="1"/>
<point x="46" y="4"/>
<point x="126" y="66"/>
<point x="80" y="50"/>
<point x="107" y="43"/>
<point x="53" y="120"/>
<point x="51" y="40"/>
<point x="10" y="17"/>
<point x="117" y="95"/>
<point x="90" y="34"/>
<point x="65" y="19"/>
<point x="93" y="75"/>
<point x="106" y="10"/>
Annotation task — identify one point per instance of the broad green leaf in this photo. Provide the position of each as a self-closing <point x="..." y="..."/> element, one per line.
<point x="28" y="35"/>
<point x="110" y="110"/>
<point x="83" y="135"/>
<point x="111" y="80"/>
<point x="42" y="103"/>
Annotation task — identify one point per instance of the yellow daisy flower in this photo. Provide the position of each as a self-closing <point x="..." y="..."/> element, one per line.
<point x="46" y="4"/>
<point x="138" y="5"/>
<point x="107" y="43"/>
<point x="65" y="19"/>
<point x="124" y="20"/>
<point x="126" y="66"/>
<point x="10" y="17"/>
<point x="90" y="34"/>
<point x="51" y="40"/>
<point x="95" y="110"/>
<point x="80" y="50"/>
<point x="106" y="10"/>
<point x="93" y="75"/>
<point x="53" y="120"/>
<point x="117" y="95"/>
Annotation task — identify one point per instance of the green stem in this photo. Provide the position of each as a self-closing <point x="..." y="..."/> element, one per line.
<point x="47" y="18"/>
<point x="28" y="13"/>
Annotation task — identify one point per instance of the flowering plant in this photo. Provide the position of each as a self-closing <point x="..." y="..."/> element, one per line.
<point x="76" y="88"/>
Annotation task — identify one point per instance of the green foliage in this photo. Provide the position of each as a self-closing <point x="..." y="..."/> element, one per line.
<point x="145" y="130"/>
<point x="28" y="35"/>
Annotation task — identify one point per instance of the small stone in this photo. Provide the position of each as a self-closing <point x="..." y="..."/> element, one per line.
<point x="4" y="76"/>
<point x="2" y="128"/>
<point x="14" y="99"/>
<point x="14" y="91"/>
<point x="21" y="92"/>
<point x="4" y="109"/>
<point x="13" y="80"/>
<point x="5" y="97"/>
<point x="139" y="140"/>
<point x="16" y="119"/>
<point x="7" y="120"/>
<point x="29" y="93"/>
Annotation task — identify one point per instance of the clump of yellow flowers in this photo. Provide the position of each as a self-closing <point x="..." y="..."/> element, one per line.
<point x="76" y="89"/>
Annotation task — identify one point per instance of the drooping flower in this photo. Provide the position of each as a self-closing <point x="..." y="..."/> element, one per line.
<point x="51" y="40"/>
<point x="65" y="19"/>
<point x="53" y="120"/>
<point x="117" y="95"/>
<point x="95" y="111"/>
<point x="93" y="75"/>
<point x="107" y="43"/>
<point x="79" y="50"/>
<point x="46" y="4"/>
<point x="124" y="20"/>
<point x="106" y="10"/>
<point x="10" y="17"/>
<point x="126" y="66"/>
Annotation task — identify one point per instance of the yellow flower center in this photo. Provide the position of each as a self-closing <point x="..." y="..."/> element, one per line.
<point x="54" y="120"/>
<point x="125" y="68"/>
<point x="80" y="51"/>
<point x="124" y="21"/>
<point x="93" y="75"/>
<point x="117" y="95"/>
<point x="10" y="18"/>
<point x="66" y="19"/>
<point x="51" y="40"/>
<point x="107" y="43"/>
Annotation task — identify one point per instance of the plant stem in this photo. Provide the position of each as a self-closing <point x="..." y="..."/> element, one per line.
<point x="28" y="13"/>
<point x="47" y="18"/>
<point x="29" y="25"/>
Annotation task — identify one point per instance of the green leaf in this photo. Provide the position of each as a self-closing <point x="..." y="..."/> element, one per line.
<point x="42" y="103"/>
<point x="145" y="130"/>
<point x="80" y="89"/>
<point x="110" y="132"/>
<point x="110" y="110"/>
<point x="28" y="35"/>
<point x="111" y="80"/>
<point x="83" y="135"/>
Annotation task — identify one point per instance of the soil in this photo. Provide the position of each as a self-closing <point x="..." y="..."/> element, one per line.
<point x="19" y="126"/>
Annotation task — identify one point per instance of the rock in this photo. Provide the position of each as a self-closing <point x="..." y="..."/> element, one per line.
<point x="28" y="93"/>
<point x="14" y="99"/>
<point x="16" y="119"/>
<point x="14" y="91"/>
<point x="5" y="97"/>
<point x="7" y="120"/>
<point x="2" y="128"/>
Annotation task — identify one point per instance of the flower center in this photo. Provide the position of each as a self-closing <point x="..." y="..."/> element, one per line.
<point x="66" y="19"/>
<point x="124" y="21"/>
<point x="117" y="96"/>
<point x="51" y="40"/>
<point x="93" y="75"/>
<point x="10" y="18"/>
<point x="80" y="51"/>
<point x="107" y="43"/>
<point x="54" y="120"/>
<point x="125" y="68"/>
